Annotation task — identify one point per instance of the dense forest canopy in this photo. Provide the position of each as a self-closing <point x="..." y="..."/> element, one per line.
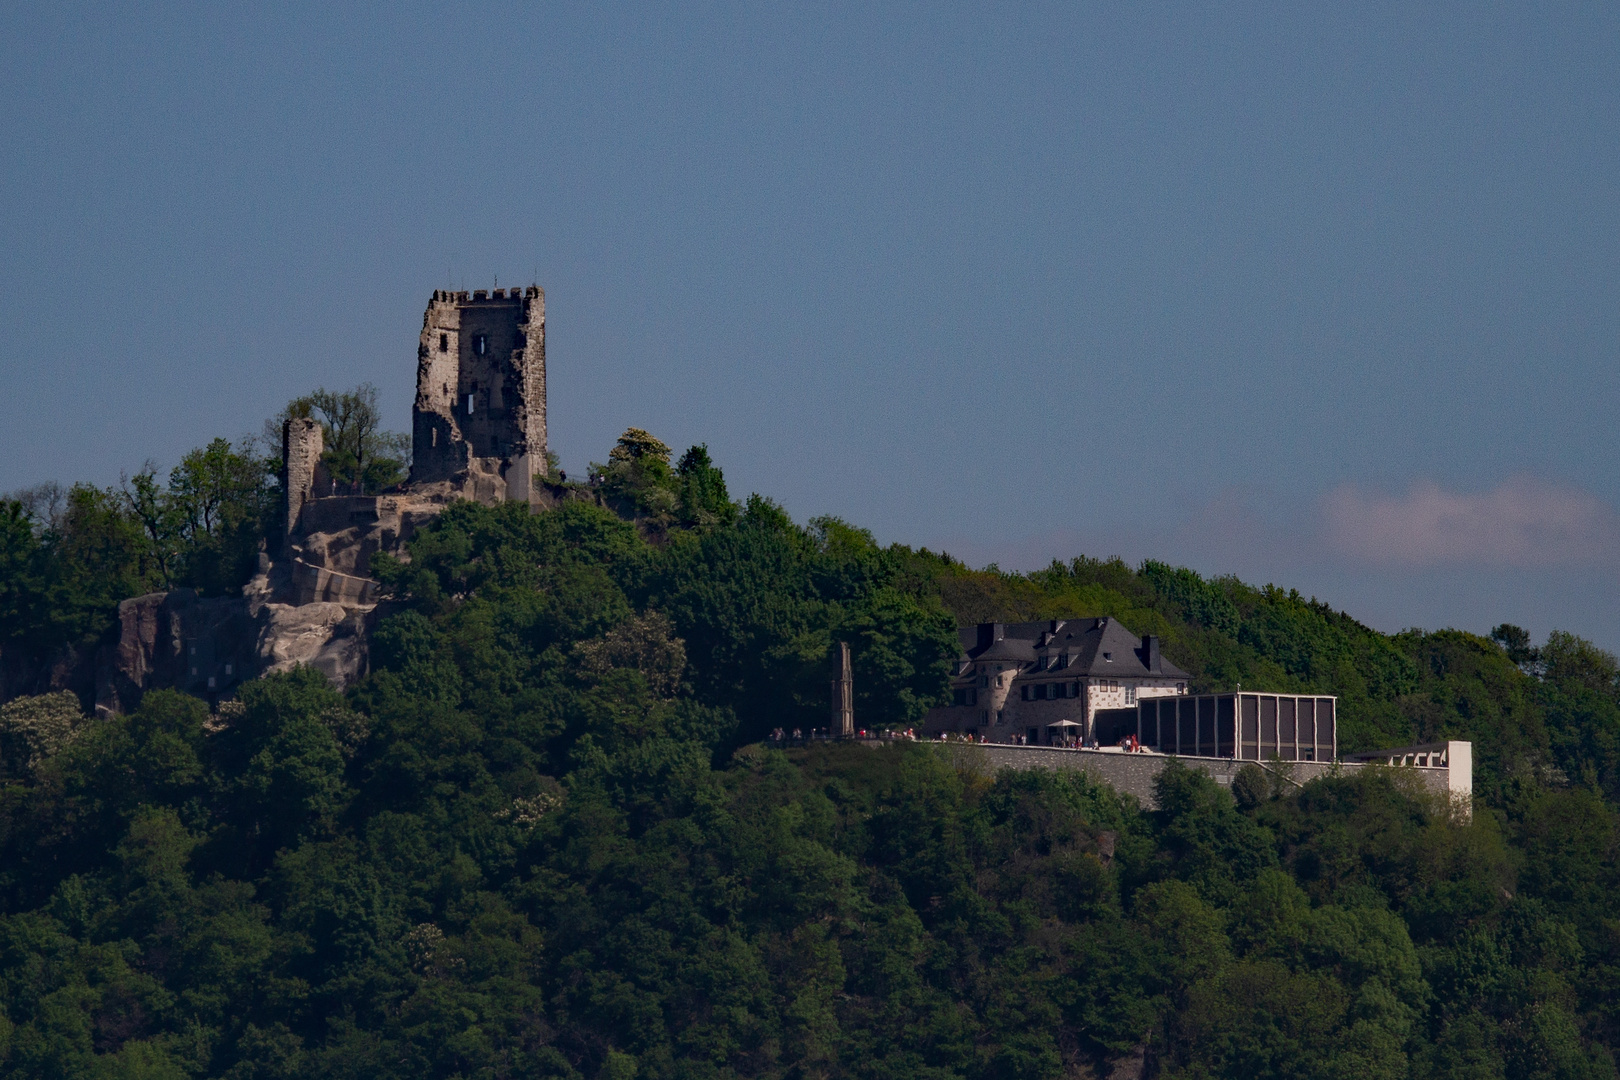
<point x="542" y="839"/>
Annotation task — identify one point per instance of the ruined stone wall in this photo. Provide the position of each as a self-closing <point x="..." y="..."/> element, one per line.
<point x="479" y="421"/>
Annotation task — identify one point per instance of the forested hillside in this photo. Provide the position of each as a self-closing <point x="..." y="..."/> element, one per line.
<point x="542" y="838"/>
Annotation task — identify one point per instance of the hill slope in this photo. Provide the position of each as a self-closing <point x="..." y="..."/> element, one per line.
<point x="541" y="838"/>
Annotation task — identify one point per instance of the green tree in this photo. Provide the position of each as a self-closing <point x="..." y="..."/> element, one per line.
<point x="25" y="577"/>
<point x="203" y="530"/>
<point x="222" y="498"/>
<point x="104" y="557"/>
<point x="703" y="496"/>
<point x="638" y="481"/>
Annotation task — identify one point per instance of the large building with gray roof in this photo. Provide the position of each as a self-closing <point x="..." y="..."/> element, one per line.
<point x="1051" y="680"/>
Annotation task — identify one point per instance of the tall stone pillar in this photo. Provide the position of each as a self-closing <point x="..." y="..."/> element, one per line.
<point x="301" y="447"/>
<point x="843" y="694"/>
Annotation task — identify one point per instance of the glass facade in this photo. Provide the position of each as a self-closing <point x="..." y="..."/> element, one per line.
<point x="1252" y="727"/>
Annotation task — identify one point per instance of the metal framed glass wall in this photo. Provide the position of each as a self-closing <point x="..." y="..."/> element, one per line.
<point x="1253" y="727"/>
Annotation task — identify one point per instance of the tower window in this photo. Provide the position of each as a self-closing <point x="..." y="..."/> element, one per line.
<point x="444" y="342"/>
<point x="480" y="344"/>
<point x="470" y="403"/>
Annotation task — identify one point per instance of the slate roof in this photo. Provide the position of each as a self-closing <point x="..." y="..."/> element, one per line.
<point x="1097" y="648"/>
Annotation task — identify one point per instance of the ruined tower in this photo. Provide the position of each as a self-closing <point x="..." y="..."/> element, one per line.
<point x="305" y="478"/>
<point x="479" y="423"/>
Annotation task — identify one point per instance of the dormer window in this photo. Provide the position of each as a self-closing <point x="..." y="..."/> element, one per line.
<point x="1108" y="656"/>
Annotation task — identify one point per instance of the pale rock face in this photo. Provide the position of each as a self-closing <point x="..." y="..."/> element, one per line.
<point x="296" y="635"/>
<point x="325" y="636"/>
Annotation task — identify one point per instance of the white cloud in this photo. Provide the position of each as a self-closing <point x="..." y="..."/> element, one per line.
<point x="1523" y="523"/>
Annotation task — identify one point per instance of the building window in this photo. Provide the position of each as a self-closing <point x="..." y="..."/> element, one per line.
<point x="444" y="342"/>
<point x="480" y="344"/>
<point x="1130" y="695"/>
<point x="470" y="404"/>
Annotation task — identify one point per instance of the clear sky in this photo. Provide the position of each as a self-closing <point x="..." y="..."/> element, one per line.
<point x="1319" y="294"/>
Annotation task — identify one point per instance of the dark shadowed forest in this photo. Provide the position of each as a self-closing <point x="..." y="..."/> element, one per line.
<point x="542" y="837"/>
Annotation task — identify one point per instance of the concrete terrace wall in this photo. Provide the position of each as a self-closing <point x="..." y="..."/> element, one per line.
<point x="1134" y="773"/>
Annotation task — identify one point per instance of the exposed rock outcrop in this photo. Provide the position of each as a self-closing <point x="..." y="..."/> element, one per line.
<point x="326" y="636"/>
<point x="177" y="640"/>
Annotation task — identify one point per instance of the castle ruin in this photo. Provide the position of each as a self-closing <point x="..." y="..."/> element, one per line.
<point x="478" y="431"/>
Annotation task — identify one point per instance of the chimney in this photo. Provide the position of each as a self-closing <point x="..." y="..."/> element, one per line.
<point x="1150" y="651"/>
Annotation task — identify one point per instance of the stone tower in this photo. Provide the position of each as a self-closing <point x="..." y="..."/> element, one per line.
<point x="479" y="423"/>
<point x="301" y="446"/>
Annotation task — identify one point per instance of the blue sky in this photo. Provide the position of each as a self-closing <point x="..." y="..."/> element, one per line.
<point x="1319" y="295"/>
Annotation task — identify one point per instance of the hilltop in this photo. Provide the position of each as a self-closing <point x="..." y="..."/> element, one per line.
<point x="541" y="837"/>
